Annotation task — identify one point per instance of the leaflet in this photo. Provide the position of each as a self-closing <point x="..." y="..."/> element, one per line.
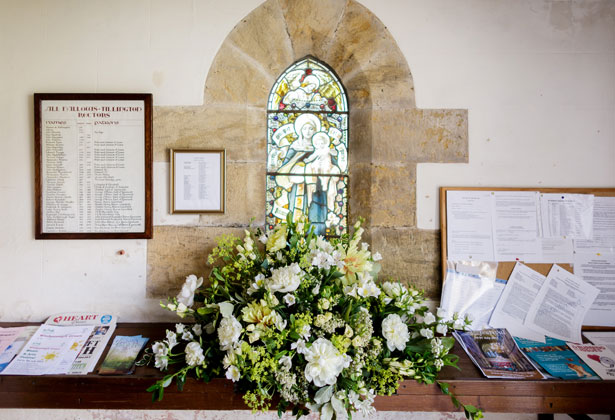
<point x="122" y="355"/>
<point x="469" y="226"/>
<point x="567" y="215"/>
<point x="603" y="229"/>
<point x="599" y="358"/>
<point x="15" y="347"/>
<point x="603" y="338"/>
<point x="519" y="294"/>
<point x="560" y="307"/>
<point x="43" y="353"/>
<point x="599" y="271"/>
<point x="556" y="359"/>
<point x="7" y="336"/>
<point x="515" y="225"/>
<point x="78" y="339"/>
<point x="496" y="354"/>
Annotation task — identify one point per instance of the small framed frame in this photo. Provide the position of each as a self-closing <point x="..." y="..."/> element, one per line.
<point x="197" y="181"/>
<point x="93" y="165"/>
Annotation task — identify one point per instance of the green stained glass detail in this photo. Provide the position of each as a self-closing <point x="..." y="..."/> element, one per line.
<point x="307" y="148"/>
<point x="308" y="86"/>
<point x="323" y="198"/>
<point x="319" y="140"/>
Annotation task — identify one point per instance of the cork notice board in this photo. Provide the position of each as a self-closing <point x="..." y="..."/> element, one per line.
<point x="505" y="268"/>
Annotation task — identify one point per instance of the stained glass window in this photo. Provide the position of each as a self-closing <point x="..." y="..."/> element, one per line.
<point x="307" y="148"/>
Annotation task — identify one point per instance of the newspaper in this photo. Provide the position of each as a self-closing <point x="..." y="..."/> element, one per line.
<point x="104" y="326"/>
<point x="496" y="354"/>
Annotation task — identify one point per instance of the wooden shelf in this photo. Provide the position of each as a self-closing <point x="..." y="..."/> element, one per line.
<point x="129" y="392"/>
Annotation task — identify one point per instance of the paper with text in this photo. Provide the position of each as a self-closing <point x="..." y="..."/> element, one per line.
<point x="567" y="215"/>
<point x="603" y="229"/>
<point x="469" y="225"/>
<point x="515" y="225"/>
<point x="599" y="271"/>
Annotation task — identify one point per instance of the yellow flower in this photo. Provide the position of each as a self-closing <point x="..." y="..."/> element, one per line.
<point x="258" y="313"/>
<point x="277" y="240"/>
<point x="355" y="261"/>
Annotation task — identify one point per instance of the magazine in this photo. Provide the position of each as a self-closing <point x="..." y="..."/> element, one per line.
<point x="104" y="326"/>
<point x="556" y="358"/>
<point x="599" y="358"/>
<point x="496" y="354"/>
<point x="15" y="347"/>
<point x="122" y="355"/>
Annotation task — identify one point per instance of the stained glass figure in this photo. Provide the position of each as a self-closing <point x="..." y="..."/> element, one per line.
<point x="307" y="148"/>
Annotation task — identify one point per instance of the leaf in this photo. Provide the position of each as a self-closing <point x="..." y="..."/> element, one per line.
<point x="167" y="381"/>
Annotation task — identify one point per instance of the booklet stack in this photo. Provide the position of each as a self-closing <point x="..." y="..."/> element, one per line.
<point x="68" y="343"/>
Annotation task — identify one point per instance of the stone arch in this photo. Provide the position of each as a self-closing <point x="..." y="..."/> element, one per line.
<point x="389" y="134"/>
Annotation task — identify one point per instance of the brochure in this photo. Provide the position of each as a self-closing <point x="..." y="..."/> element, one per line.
<point x="46" y="351"/>
<point x="15" y="347"/>
<point x="122" y="355"/>
<point x="599" y="358"/>
<point x="7" y="336"/>
<point x="95" y="344"/>
<point x="496" y="354"/>
<point x="556" y="358"/>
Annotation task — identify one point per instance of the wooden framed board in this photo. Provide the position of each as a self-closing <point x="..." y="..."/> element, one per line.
<point x="505" y="268"/>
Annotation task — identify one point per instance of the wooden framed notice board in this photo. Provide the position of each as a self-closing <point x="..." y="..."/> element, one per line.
<point x="93" y="165"/>
<point x="560" y="216"/>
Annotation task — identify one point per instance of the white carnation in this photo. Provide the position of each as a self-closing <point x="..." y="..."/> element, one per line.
<point x="228" y="332"/>
<point x="194" y="354"/>
<point x="285" y="279"/>
<point x="325" y="363"/>
<point x="186" y="295"/>
<point x="396" y="332"/>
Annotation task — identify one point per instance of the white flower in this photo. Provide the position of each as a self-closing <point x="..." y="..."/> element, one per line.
<point x="325" y="362"/>
<point x="426" y="332"/>
<point x="187" y="336"/>
<point x="197" y="329"/>
<point x="438" y="363"/>
<point x="305" y="331"/>
<point x="442" y="329"/>
<point x="194" y="354"/>
<point x="209" y="328"/>
<point x="429" y="318"/>
<point x="182" y="310"/>
<point x="367" y="287"/>
<point x="395" y="331"/>
<point x="232" y="373"/>
<point x="286" y="362"/>
<point x="376" y="256"/>
<point x="179" y="328"/>
<point x="316" y="289"/>
<point x="279" y="321"/>
<point x="277" y="239"/>
<point x="392" y="289"/>
<point x="441" y="313"/>
<point x="289" y="299"/>
<point x="228" y="332"/>
<point x="171" y="339"/>
<point x="263" y="238"/>
<point x="258" y="283"/>
<point x="160" y="349"/>
<point x="226" y="308"/>
<point x="285" y="279"/>
<point x="161" y="362"/>
<point x="299" y="345"/>
<point x="186" y="295"/>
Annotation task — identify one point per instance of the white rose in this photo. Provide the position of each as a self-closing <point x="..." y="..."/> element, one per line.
<point x="186" y="295"/>
<point x="285" y="279"/>
<point x="396" y="332"/>
<point x="232" y="373"/>
<point x="228" y="332"/>
<point x="429" y="318"/>
<point x="325" y="363"/>
<point x="442" y="313"/>
<point x="194" y="354"/>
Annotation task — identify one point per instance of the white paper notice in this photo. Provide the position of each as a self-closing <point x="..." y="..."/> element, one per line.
<point x="599" y="271"/>
<point x="472" y="295"/>
<point x="567" y="215"/>
<point x="45" y="350"/>
<point x="555" y="250"/>
<point x="513" y="307"/>
<point x="560" y="307"/>
<point x="604" y="228"/>
<point x="468" y="225"/>
<point x="515" y="225"/>
<point x="197" y="181"/>
<point x="93" y="166"/>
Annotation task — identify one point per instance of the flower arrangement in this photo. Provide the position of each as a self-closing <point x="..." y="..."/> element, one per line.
<point x="302" y="317"/>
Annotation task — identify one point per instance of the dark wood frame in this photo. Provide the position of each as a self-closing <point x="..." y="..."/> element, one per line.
<point x="148" y="156"/>
<point x="222" y="153"/>
<point x="94" y="391"/>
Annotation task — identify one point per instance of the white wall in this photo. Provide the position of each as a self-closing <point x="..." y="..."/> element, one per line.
<point x="538" y="79"/>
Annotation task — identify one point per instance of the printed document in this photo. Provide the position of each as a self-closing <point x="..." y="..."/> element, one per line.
<point x="560" y="307"/>
<point x="7" y="336"/>
<point x="469" y="226"/>
<point x="603" y="230"/>
<point x="567" y="215"/>
<point x="515" y="225"/>
<point x="512" y="308"/>
<point x="602" y="338"/>
<point x="599" y="271"/>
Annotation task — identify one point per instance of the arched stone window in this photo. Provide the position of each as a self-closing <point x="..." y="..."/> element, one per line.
<point x="307" y="148"/>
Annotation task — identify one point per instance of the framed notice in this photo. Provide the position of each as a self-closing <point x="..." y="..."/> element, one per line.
<point x="197" y="181"/>
<point x="93" y="165"/>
